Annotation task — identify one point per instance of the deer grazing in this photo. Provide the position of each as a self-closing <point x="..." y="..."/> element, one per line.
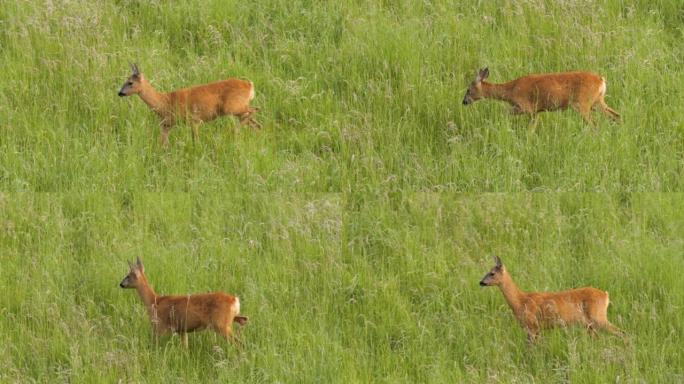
<point x="194" y="105"/>
<point x="538" y="310"/>
<point x="183" y="314"/>
<point x="581" y="91"/>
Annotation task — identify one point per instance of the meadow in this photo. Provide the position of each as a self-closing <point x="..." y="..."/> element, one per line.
<point x="356" y="224"/>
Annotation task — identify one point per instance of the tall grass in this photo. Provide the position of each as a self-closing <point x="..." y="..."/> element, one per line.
<point x="356" y="224"/>
<point x="339" y="289"/>
<point x="352" y="96"/>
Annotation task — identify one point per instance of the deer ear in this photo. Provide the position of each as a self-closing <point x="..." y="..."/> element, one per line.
<point x="497" y="261"/>
<point x="134" y="68"/>
<point x="139" y="263"/>
<point x="130" y="265"/>
<point x="484" y="73"/>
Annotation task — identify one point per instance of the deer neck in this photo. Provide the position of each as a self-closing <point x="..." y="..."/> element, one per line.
<point x="511" y="292"/>
<point x="147" y="294"/>
<point x="497" y="91"/>
<point x="154" y="99"/>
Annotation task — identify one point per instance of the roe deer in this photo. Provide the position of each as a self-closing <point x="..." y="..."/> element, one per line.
<point x="183" y="314"/>
<point x="537" y="310"/>
<point x="194" y="105"/>
<point x="582" y="91"/>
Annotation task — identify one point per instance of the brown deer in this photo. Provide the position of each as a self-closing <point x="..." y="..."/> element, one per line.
<point x="582" y="91"/>
<point x="194" y="105"/>
<point x="183" y="314"/>
<point x="538" y="310"/>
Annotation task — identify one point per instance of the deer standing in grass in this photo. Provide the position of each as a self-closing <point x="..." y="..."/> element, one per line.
<point x="537" y="310"/>
<point x="194" y="105"/>
<point x="183" y="314"/>
<point x="581" y="91"/>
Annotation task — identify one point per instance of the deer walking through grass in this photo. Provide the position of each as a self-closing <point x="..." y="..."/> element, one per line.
<point x="188" y="313"/>
<point x="538" y="310"/>
<point x="194" y="105"/>
<point x="581" y="91"/>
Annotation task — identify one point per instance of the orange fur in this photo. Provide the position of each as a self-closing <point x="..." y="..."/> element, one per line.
<point x="538" y="310"/>
<point x="195" y="105"/>
<point x="582" y="91"/>
<point x="183" y="314"/>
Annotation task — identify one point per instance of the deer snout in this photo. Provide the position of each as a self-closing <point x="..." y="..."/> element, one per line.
<point x="467" y="100"/>
<point x="121" y="93"/>
<point x="482" y="283"/>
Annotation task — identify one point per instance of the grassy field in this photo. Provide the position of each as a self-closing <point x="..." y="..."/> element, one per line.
<point x="340" y="289"/>
<point x="353" y="96"/>
<point x="357" y="223"/>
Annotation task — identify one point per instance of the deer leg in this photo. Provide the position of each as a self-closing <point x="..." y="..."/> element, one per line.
<point x="608" y="111"/>
<point x="534" y="119"/>
<point x="195" y="132"/>
<point x="532" y="337"/>
<point x="247" y="119"/>
<point x="592" y="330"/>
<point x="158" y="332"/>
<point x="532" y="334"/>
<point x="242" y="320"/>
<point x="184" y="339"/>
<point x="165" y="130"/>
<point x="585" y="112"/>
<point x="613" y="329"/>
<point x="227" y="332"/>
<point x="194" y="127"/>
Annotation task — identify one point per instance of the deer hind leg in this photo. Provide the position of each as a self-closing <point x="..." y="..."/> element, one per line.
<point x="608" y="111"/>
<point x="248" y="118"/>
<point x="226" y="331"/>
<point x="613" y="329"/>
<point x="598" y="315"/>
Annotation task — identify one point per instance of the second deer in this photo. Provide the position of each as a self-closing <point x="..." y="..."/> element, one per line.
<point x="194" y="105"/>
<point x="581" y="91"/>
<point x="188" y="313"/>
<point x="538" y="310"/>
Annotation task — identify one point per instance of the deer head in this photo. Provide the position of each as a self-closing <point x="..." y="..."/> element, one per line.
<point x="474" y="91"/>
<point x="493" y="277"/>
<point x="132" y="84"/>
<point x="135" y="276"/>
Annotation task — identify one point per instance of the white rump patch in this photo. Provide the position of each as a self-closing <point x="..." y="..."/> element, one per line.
<point x="236" y="305"/>
<point x="602" y="87"/>
<point x="252" y="93"/>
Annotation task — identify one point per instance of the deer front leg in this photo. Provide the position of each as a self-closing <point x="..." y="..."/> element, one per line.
<point x="158" y="332"/>
<point x="194" y="125"/>
<point x="165" y="130"/>
<point x="532" y="335"/>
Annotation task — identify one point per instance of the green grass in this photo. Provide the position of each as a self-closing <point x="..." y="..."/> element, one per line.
<point x="352" y="96"/>
<point x="339" y="289"/>
<point x="357" y="223"/>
